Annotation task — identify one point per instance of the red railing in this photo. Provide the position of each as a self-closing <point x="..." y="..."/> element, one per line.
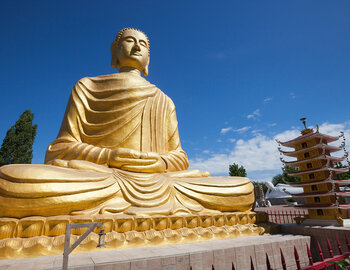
<point x="324" y="263"/>
<point x="285" y="216"/>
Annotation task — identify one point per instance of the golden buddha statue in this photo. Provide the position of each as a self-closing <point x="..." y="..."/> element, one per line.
<point x="118" y="151"/>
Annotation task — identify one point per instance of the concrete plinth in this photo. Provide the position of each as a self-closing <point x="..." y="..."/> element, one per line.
<point x="326" y="222"/>
<point x="320" y="234"/>
<point x="200" y="255"/>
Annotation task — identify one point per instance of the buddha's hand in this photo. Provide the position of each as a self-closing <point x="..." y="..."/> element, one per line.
<point x="136" y="161"/>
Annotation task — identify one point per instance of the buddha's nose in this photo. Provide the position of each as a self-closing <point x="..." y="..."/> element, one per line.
<point x="137" y="47"/>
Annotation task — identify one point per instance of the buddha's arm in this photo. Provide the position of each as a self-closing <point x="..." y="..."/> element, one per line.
<point x="66" y="148"/>
<point x="176" y="158"/>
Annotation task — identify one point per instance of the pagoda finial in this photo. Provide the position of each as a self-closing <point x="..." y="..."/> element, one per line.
<point x="305" y="130"/>
<point x="303" y="120"/>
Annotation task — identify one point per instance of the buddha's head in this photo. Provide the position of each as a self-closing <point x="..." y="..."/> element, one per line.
<point x="131" y="49"/>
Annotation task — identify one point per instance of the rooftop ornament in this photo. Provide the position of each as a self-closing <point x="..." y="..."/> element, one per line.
<point x="303" y="120"/>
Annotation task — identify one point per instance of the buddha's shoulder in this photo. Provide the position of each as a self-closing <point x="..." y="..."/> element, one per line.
<point x="116" y="77"/>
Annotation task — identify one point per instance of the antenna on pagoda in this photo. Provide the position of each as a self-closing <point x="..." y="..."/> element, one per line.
<point x="303" y="120"/>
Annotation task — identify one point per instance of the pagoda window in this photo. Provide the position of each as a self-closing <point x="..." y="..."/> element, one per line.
<point x="320" y="212"/>
<point x="306" y="155"/>
<point x="317" y="199"/>
<point x="309" y="165"/>
<point x="313" y="187"/>
<point x="304" y="145"/>
<point x="311" y="176"/>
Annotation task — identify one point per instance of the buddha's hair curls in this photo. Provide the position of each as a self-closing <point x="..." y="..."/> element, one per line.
<point x="117" y="38"/>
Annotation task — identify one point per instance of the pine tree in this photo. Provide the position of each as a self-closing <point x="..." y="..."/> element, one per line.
<point x="235" y="170"/>
<point x="17" y="146"/>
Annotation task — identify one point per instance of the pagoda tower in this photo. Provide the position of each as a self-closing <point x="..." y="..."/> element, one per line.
<point x="324" y="197"/>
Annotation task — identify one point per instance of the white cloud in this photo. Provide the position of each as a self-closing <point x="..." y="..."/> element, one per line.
<point x="256" y="131"/>
<point x="292" y="95"/>
<point x="225" y="130"/>
<point x="205" y="151"/>
<point x="243" y="129"/>
<point x="272" y="125"/>
<point x="232" y="140"/>
<point x="219" y="140"/>
<point x="267" y="99"/>
<point x="259" y="155"/>
<point x="254" y="114"/>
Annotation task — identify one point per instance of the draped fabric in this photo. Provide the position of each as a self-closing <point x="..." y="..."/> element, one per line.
<point x="119" y="110"/>
<point x="106" y="113"/>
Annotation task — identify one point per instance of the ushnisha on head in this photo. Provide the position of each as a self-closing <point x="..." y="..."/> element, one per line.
<point x="131" y="51"/>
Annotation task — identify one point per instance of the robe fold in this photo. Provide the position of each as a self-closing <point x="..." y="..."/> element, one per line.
<point x="106" y="113"/>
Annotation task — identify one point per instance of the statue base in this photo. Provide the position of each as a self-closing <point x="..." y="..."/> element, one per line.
<point x="202" y="255"/>
<point x="38" y="236"/>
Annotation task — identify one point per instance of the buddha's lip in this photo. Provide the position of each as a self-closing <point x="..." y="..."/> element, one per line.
<point x="135" y="53"/>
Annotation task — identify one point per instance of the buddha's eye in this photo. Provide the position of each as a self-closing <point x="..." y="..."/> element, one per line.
<point x="129" y="40"/>
<point x="144" y="44"/>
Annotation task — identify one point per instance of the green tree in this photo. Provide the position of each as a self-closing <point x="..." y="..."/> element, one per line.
<point x="280" y="177"/>
<point x="17" y="146"/>
<point x="235" y="170"/>
<point x="342" y="176"/>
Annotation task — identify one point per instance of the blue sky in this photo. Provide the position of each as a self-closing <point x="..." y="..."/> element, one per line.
<point x="241" y="73"/>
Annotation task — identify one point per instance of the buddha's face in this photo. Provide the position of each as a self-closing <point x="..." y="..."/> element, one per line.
<point x="132" y="50"/>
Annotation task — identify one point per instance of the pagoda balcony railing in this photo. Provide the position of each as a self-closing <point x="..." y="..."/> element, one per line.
<point x="295" y="163"/>
<point x="323" y="168"/>
<point x="323" y="206"/>
<point x="313" y="194"/>
<point x="322" y="146"/>
<point x="315" y="182"/>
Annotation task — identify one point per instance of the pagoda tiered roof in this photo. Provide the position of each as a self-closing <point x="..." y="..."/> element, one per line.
<point x="313" y="194"/>
<point x="295" y="163"/>
<point x="320" y="194"/>
<point x="325" y="137"/>
<point x="315" y="182"/>
<point x="323" y="206"/>
<point x="330" y="148"/>
<point x="324" y="168"/>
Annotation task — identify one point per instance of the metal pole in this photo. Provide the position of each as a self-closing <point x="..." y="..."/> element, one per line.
<point x="68" y="249"/>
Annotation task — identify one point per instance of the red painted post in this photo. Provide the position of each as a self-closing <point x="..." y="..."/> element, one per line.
<point x="284" y="217"/>
<point x="212" y="267"/>
<point x="251" y="263"/>
<point x="347" y="241"/>
<point x="268" y="265"/>
<point x="320" y="251"/>
<point x="296" y="257"/>
<point x="233" y="267"/>
<point x="283" y="261"/>
<point x="275" y="216"/>
<point x="339" y="246"/>
<point x="279" y="217"/>
<point x="311" y="262"/>
<point x="330" y="250"/>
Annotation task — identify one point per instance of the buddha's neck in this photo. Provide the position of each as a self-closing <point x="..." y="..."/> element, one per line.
<point x="130" y="70"/>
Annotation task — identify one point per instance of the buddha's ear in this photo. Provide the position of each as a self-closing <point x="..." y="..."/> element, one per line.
<point x="145" y="70"/>
<point x="114" y="54"/>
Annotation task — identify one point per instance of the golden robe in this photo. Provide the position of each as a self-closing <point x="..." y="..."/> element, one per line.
<point x="105" y="113"/>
